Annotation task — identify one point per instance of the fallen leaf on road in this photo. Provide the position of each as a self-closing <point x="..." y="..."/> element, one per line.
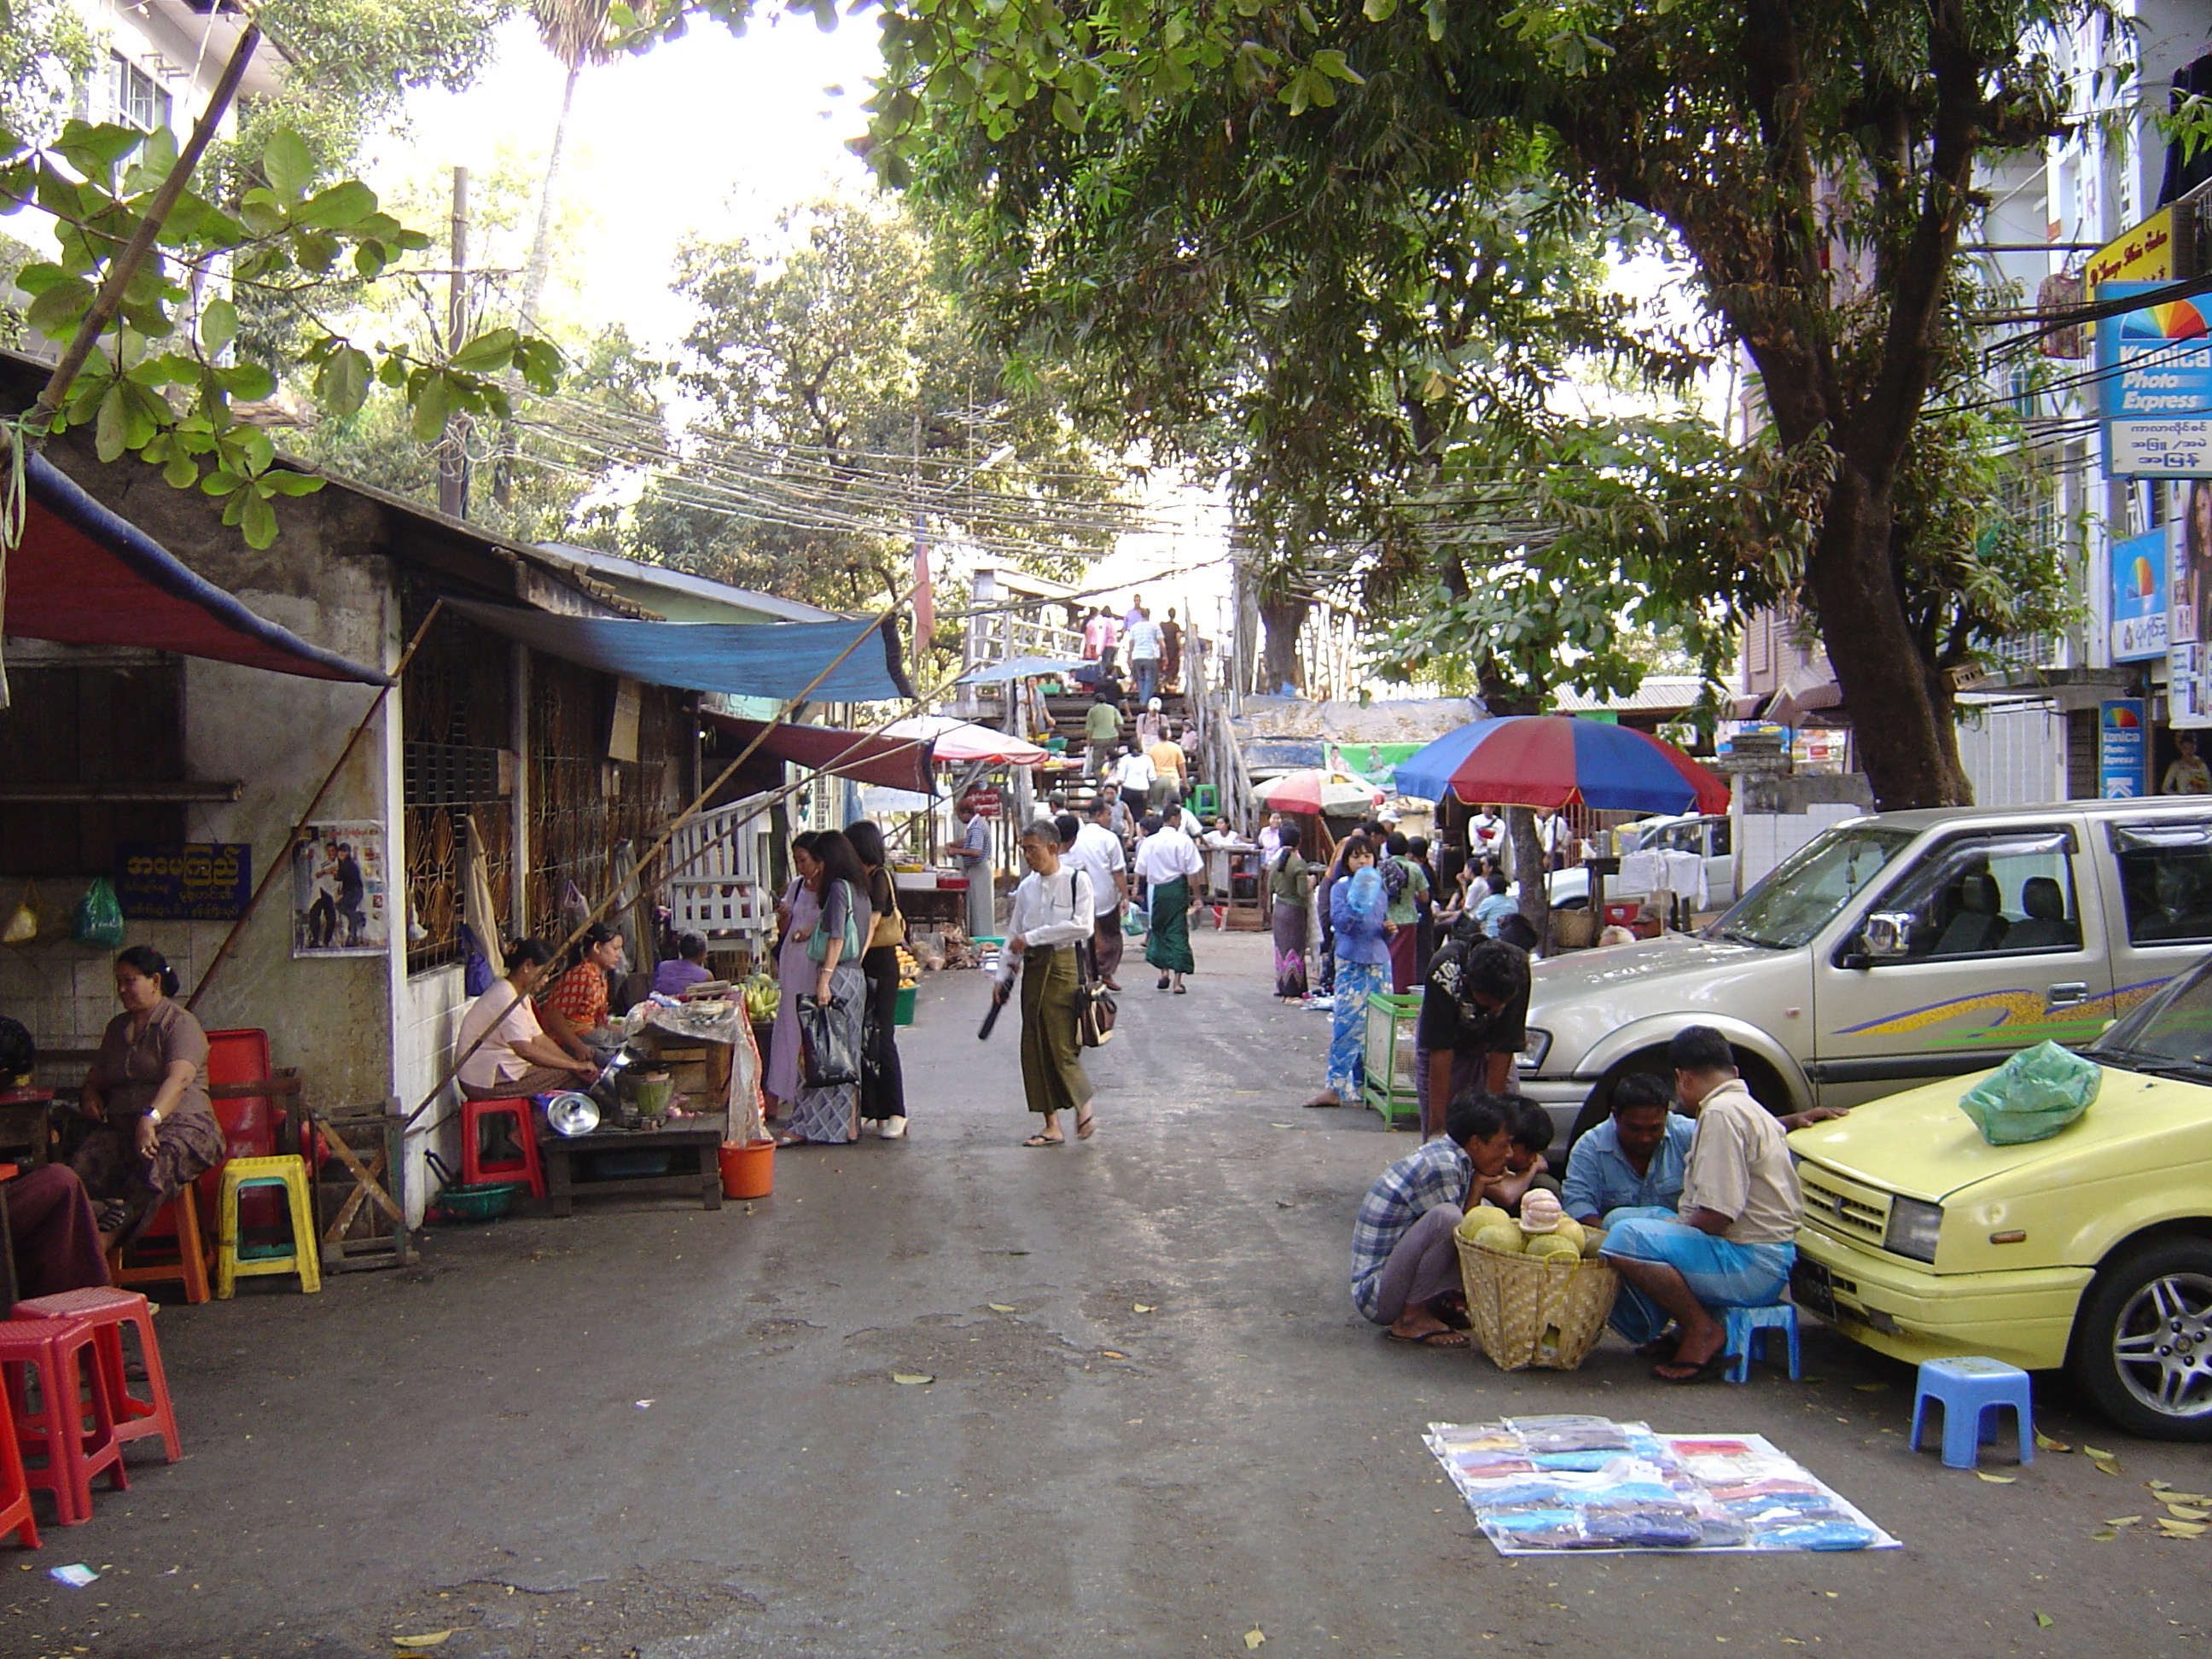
<point x="2045" y="1442"/>
<point x="2122" y="1520"/>
<point x="1812" y="1379"/>
<point x="1271" y="1125"/>
<point x="2103" y="1535"/>
<point x="910" y="1379"/>
<point x="1141" y="1307"/>
<point x="1113" y="1353"/>
<point x="2186" y="1512"/>
<point x="2159" y="1486"/>
<point x="2089" y="1451"/>
<point x="1995" y="1480"/>
<point x="2183" y="1528"/>
<point x="1252" y="1636"/>
<point x="429" y="1639"/>
<point x="2105" y="1465"/>
<point x="997" y="1307"/>
<point x="1869" y="1388"/>
<point x="1283" y="1204"/>
<point x="2168" y="1495"/>
<point x="2043" y="1621"/>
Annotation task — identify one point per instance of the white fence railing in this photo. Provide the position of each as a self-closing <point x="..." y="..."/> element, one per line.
<point x="717" y="887"/>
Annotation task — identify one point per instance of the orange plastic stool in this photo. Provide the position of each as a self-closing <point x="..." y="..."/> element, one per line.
<point x="478" y="1115"/>
<point x="108" y="1311"/>
<point x="191" y="1264"/>
<point x="72" y="1427"/>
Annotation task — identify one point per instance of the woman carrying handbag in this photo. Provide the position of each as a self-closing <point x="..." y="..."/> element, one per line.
<point x="831" y="1016"/>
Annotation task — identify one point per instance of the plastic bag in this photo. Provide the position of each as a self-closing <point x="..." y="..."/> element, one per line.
<point x="2032" y="1096"/>
<point x="23" y="927"/>
<point x="826" y="1042"/>
<point x="98" y="919"/>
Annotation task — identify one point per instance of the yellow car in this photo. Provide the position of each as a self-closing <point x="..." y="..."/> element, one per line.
<point x="2091" y="1249"/>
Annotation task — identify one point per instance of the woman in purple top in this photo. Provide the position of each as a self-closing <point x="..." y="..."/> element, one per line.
<point x="673" y="979"/>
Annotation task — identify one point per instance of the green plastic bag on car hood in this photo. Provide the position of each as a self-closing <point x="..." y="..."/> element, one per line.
<point x="2032" y="1096"/>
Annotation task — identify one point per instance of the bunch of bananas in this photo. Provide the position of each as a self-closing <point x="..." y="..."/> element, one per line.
<point x="763" y="997"/>
<point x="909" y="970"/>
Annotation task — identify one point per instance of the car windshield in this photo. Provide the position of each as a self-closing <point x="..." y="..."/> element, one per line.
<point x="1802" y="894"/>
<point x="2172" y="1032"/>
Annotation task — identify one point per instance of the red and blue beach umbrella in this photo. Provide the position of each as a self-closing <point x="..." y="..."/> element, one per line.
<point x="1555" y="760"/>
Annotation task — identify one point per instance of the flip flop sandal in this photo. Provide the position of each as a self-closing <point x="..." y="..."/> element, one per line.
<point x="1659" y="1347"/>
<point x="1182" y="990"/>
<point x="1443" y="1338"/>
<point x="1046" y="1140"/>
<point x="1085" y="1126"/>
<point x="1711" y="1371"/>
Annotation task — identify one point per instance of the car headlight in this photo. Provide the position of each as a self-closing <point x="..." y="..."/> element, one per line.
<point x="1914" y="1227"/>
<point x="1533" y="1050"/>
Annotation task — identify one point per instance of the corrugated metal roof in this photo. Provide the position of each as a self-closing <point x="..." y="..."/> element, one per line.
<point x="1660" y="694"/>
<point x="611" y="566"/>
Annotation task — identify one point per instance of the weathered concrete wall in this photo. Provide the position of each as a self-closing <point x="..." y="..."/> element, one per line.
<point x="326" y="580"/>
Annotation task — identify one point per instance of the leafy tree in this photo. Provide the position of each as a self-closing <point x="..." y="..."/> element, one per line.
<point x="46" y="49"/>
<point x="137" y="296"/>
<point x="1815" y="161"/>
<point x="849" y="406"/>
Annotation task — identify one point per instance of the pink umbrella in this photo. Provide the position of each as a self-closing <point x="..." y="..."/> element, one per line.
<point x="964" y="743"/>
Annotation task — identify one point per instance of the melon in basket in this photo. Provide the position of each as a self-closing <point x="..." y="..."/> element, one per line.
<point x="1481" y="1215"/>
<point x="1502" y="1236"/>
<point x="1545" y="1246"/>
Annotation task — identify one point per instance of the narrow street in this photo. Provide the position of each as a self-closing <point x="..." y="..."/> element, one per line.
<point x="1154" y="1424"/>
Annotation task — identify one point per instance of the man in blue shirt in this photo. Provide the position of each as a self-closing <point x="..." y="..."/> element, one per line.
<point x="1634" y="1160"/>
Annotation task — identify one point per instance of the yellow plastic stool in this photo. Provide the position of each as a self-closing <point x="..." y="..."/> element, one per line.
<point x="289" y="1172"/>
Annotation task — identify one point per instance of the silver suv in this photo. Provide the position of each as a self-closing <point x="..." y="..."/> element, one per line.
<point x="1893" y="949"/>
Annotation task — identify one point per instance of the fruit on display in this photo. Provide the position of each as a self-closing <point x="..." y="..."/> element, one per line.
<point x="1547" y="1246"/>
<point x="1569" y="1228"/>
<point x="1481" y="1215"/>
<point x="1502" y="1236"/>
<point x="909" y="970"/>
<point x="763" y="997"/>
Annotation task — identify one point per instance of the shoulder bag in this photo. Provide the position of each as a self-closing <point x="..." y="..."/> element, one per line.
<point x="1095" y="1007"/>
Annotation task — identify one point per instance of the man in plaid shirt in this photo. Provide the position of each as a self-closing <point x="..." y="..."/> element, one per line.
<point x="1404" y="1263"/>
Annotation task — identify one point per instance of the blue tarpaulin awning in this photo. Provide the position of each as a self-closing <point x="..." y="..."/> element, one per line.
<point x="744" y="659"/>
<point x="1018" y="668"/>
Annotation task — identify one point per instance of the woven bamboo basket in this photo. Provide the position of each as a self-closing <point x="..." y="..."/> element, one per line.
<point x="1527" y="1311"/>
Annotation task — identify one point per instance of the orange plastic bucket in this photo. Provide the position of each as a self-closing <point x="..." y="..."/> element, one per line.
<point x="748" y="1168"/>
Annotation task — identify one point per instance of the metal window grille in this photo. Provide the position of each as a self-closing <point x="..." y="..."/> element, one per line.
<point x="455" y="701"/>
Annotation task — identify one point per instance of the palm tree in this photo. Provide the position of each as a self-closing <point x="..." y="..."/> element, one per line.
<point x="577" y="32"/>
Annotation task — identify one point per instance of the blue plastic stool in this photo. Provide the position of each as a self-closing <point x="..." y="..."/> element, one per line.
<point x="1970" y="1389"/>
<point x="1745" y="1326"/>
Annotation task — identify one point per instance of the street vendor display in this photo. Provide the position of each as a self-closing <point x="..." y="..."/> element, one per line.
<point x="1568" y="1482"/>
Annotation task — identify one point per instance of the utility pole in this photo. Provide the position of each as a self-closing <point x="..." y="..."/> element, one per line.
<point x="453" y="444"/>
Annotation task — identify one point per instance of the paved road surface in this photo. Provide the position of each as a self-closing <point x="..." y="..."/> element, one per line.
<point x="651" y="1428"/>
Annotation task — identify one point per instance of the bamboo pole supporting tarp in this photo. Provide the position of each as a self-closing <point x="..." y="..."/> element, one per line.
<point x="644" y="863"/>
<point x="282" y="864"/>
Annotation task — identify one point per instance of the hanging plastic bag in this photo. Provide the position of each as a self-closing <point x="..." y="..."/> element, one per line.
<point x="575" y="909"/>
<point x="826" y="1039"/>
<point x="98" y="919"/>
<point x="2032" y="1096"/>
<point x="23" y="927"/>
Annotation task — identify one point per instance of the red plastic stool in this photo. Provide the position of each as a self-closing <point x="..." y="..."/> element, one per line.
<point x="108" y="1311"/>
<point x="476" y="1116"/>
<point x="73" y="1426"/>
<point x="15" y="1514"/>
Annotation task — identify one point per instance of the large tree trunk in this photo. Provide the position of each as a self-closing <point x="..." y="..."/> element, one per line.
<point x="534" y="272"/>
<point x="1528" y="870"/>
<point x="1279" y="659"/>
<point x="1907" y="743"/>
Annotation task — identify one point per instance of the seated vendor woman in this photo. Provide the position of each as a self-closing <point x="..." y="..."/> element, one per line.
<point x="515" y="1056"/>
<point x="1405" y="1263"/>
<point x="146" y="1095"/>
<point x="49" y="1220"/>
<point x="573" y="1009"/>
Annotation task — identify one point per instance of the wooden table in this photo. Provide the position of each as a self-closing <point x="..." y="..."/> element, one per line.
<point x="700" y="1136"/>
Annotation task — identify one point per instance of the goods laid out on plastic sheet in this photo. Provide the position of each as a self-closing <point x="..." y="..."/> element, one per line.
<point x="1539" y="1485"/>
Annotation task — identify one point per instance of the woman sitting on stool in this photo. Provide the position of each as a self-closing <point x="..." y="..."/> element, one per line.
<point x="515" y="1056"/>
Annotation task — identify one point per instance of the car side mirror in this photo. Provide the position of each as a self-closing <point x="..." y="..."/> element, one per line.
<point x="1888" y="936"/>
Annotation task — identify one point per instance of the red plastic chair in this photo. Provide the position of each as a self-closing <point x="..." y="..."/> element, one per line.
<point x="108" y="1311"/>
<point x="249" y="1125"/>
<point x="15" y="1514"/>
<point x="72" y="1425"/>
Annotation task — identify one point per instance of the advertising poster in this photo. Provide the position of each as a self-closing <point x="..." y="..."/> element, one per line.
<point x="341" y="891"/>
<point x="183" y="881"/>
<point x="2189" y="564"/>
<point x="2121" y="750"/>
<point x="2186" y="705"/>
<point x="2155" y="380"/>
<point x="2139" y="588"/>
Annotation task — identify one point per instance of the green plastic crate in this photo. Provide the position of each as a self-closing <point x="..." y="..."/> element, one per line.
<point x="1394" y="1086"/>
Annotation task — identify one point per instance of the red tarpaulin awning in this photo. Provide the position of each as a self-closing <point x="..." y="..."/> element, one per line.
<point x="893" y="763"/>
<point x="82" y="576"/>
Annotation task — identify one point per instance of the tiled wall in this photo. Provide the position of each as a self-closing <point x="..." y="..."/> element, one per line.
<point x="64" y="992"/>
<point x="429" y="1020"/>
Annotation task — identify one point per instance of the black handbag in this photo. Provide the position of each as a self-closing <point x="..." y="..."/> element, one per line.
<point x="1095" y="1007"/>
<point x="832" y="1059"/>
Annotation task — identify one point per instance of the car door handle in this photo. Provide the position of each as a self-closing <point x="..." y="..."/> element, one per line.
<point x="2066" y="996"/>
